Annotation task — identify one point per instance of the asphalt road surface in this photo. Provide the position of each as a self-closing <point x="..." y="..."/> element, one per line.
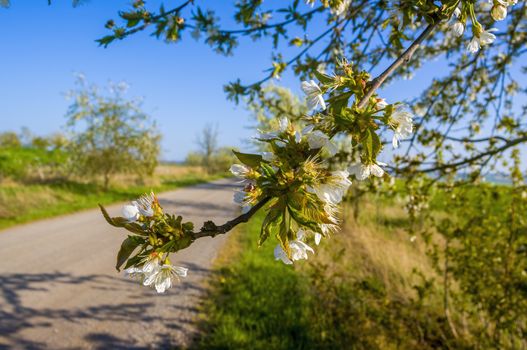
<point x="59" y="288"/>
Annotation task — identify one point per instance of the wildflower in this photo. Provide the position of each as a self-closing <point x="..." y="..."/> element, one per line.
<point x="402" y="122"/>
<point x="131" y="213"/>
<point x="298" y="250"/>
<point x="334" y="189"/>
<point x="162" y="278"/>
<point x="239" y="170"/>
<point x="145" y="204"/>
<point x="363" y="171"/>
<point x="314" y="94"/>
<point x="317" y="139"/>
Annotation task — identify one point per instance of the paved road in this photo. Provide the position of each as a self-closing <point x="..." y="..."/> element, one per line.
<point x="59" y="290"/>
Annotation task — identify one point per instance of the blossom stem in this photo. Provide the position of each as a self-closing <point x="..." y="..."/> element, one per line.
<point x="404" y="58"/>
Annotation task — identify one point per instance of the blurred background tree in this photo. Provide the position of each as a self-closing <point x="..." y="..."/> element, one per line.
<point x="110" y="134"/>
<point x="213" y="158"/>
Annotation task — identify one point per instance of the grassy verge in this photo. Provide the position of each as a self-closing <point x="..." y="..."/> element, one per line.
<point x="21" y="203"/>
<point x="359" y="291"/>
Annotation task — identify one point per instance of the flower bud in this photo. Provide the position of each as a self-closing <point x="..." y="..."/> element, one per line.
<point x="498" y="12"/>
<point x="458" y="28"/>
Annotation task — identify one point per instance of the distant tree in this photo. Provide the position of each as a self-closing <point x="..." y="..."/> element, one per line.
<point x="110" y="134"/>
<point x="10" y="139"/>
<point x="208" y="145"/>
<point x="219" y="161"/>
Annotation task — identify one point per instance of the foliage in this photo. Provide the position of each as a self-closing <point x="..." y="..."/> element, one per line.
<point x="219" y="161"/>
<point x="480" y="90"/>
<point x="213" y="158"/>
<point x="347" y="298"/>
<point x="276" y="103"/>
<point x="10" y="140"/>
<point x="109" y="134"/>
<point x="483" y="260"/>
<point x="39" y="158"/>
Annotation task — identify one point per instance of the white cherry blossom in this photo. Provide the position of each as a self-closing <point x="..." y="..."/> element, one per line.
<point x="298" y="250"/>
<point x="131" y="213"/>
<point x="239" y="170"/>
<point x="145" y="203"/>
<point x="314" y="94"/>
<point x="317" y="139"/>
<point x="363" y="171"/>
<point x="162" y="278"/>
<point x="334" y="189"/>
<point x="402" y="122"/>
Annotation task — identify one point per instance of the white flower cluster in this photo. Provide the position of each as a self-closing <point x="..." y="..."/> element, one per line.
<point x="401" y="121"/>
<point x="481" y="36"/>
<point x="340" y="10"/>
<point x="155" y="273"/>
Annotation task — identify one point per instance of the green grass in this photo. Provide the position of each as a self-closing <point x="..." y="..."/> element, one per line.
<point x="255" y="302"/>
<point x="22" y="203"/>
<point x="352" y="294"/>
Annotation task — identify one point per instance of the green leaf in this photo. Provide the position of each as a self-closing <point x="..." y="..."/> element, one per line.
<point x="135" y="228"/>
<point x="106" y="40"/>
<point x="116" y="221"/>
<point x="270" y="224"/>
<point x="323" y="78"/>
<point x="283" y="234"/>
<point x="132" y="22"/>
<point x="127" y="248"/>
<point x="251" y="160"/>
<point x="376" y="144"/>
<point x="300" y="218"/>
<point x="134" y="260"/>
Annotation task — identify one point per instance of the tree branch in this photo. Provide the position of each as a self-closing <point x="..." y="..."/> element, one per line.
<point x="211" y="229"/>
<point x="404" y="58"/>
<point x="509" y="144"/>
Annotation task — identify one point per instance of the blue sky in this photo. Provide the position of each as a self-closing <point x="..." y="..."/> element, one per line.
<point x="182" y="84"/>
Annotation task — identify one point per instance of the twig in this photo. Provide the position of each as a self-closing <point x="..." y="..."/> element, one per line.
<point x="404" y="58"/>
<point x="507" y="145"/>
<point x="211" y="229"/>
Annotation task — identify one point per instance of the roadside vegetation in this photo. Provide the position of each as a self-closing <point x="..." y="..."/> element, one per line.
<point x="380" y="283"/>
<point x="24" y="202"/>
<point x="109" y="152"/>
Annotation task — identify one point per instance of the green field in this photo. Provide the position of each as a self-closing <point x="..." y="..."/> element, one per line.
<point x="25" y="202"/>
<point x="370" y="286"/>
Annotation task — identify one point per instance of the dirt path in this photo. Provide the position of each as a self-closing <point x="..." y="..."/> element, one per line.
<point x="59" y="290"/>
